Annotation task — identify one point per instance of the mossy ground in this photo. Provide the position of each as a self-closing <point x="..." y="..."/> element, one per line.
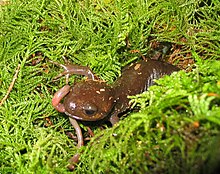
<point x="177" y="127"/>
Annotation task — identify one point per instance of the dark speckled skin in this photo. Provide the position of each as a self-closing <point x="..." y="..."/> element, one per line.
<point x="89" y="93"/>
<point x="136" y="79"/>
<point x="109" y="101"/>
<point x="94" y="100"/>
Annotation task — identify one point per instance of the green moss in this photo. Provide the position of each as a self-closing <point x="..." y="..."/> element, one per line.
<point x="178" y="117"/>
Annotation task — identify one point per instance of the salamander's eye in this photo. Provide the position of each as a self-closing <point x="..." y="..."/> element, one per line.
<point x="90" y="109"/>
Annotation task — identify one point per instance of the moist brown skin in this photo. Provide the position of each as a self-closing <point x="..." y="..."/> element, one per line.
<point x="137" y="78"/>
<point x="94" y="100"/>
<point x="111" y="100"/>
<point x="93" y="94"/>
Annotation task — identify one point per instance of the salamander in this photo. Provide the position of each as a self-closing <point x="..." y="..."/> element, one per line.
<point x="94" y="100"/>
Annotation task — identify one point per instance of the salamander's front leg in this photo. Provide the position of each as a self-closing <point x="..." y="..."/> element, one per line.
<point x="114" y="119"/>
<point x="70" y="69"/>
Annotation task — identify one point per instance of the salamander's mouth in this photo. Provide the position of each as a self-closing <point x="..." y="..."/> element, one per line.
<point x="91" y="118"/>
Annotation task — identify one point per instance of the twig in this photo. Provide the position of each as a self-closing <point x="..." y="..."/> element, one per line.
<point x="11" y="85"/>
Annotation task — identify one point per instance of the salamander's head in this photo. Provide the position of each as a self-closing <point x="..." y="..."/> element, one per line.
<point x="89" y="101"/>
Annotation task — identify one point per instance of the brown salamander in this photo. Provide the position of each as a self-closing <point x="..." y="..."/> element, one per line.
<point x="94" y="100"/>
